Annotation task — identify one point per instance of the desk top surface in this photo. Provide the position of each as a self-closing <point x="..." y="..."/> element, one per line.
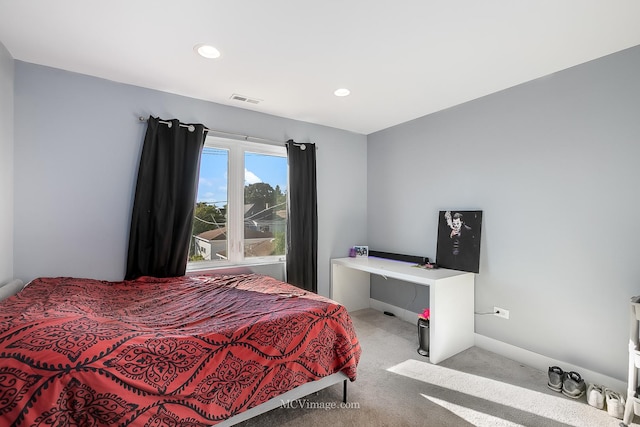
<point x="401" y="270"/>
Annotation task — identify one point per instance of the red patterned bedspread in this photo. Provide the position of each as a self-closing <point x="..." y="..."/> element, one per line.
<point x="188" y="351"/>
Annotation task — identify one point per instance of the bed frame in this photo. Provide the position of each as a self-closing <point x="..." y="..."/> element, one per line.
<point x="297" y="393"/>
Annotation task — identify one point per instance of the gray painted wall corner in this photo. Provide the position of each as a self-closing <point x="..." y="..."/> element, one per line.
<point x="7" y="72"/>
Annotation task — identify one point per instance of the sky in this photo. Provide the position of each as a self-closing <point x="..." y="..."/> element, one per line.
<point x="212" y="187"/>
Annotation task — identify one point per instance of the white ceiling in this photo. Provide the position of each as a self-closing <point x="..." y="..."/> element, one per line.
<point x="401" y="59"/>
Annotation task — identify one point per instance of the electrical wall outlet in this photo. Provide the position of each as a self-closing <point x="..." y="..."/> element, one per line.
<point x="501" y="312"/>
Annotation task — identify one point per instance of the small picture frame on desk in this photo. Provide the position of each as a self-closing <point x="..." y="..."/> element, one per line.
<point x="361" y="251"/>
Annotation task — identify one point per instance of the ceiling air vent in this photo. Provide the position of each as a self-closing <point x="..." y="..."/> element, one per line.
<point x="243" y="98"/>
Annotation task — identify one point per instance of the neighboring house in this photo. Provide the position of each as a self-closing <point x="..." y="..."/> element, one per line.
<point x="261" y="225"/>
<point x="263" y="217"/>
<point x="212" y="244"/>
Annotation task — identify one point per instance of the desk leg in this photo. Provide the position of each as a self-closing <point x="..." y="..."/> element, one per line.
<point x="452" y="320"/>
<point x="350" y="287"/>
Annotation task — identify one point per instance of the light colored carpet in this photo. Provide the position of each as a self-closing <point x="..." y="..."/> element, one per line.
<point x="398" y="387"/>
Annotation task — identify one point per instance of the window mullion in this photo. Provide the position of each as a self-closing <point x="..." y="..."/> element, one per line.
<point x="236" y="217"/>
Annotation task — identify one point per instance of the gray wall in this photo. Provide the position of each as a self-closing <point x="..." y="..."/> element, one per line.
<point x="6" y="164"/>
<point x="77" y="146"/>
<point x="553" y="164"/>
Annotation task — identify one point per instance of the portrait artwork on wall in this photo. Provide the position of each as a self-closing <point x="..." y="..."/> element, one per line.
<point x="459" y="240"/>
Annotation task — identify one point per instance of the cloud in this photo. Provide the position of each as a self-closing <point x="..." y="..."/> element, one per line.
<point x="205" y="182"/>
<point x="250" y="178"/>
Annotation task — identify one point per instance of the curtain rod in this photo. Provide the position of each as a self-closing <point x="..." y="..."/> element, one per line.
<point x="244" y="137"/>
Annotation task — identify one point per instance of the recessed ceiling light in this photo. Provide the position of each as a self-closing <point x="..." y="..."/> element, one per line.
<point x="342" y="92"/>
<point x="207" y="51"/>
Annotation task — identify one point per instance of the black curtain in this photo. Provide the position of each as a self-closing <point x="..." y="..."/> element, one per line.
<point x="302" y="218"/>
<point x="165" y="199"/>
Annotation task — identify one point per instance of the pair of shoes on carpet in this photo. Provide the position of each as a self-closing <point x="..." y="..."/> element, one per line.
<point x="598" y="395"/>
<point x="570" y="384"/>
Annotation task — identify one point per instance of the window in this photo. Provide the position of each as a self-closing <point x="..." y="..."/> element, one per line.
<point x="241" y="206"/>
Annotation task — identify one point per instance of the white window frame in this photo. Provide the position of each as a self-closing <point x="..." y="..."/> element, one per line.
<point x="235" y="203"/>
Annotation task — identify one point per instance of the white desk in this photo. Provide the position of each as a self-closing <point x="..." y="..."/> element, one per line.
<point x="451" y="298"/>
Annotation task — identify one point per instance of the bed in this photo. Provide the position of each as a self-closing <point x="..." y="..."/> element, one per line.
<point x="187" y="351"/>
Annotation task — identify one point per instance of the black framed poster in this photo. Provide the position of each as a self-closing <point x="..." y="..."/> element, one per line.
<point x="459" y="240"/>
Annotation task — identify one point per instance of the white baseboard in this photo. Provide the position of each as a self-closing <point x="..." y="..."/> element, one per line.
<point x="526" y="357"/>
<point x="543" y="363"/>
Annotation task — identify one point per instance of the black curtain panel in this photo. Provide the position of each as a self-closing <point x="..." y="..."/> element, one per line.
<point x="165" y="199"/>
<point x="302" y="218"/>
